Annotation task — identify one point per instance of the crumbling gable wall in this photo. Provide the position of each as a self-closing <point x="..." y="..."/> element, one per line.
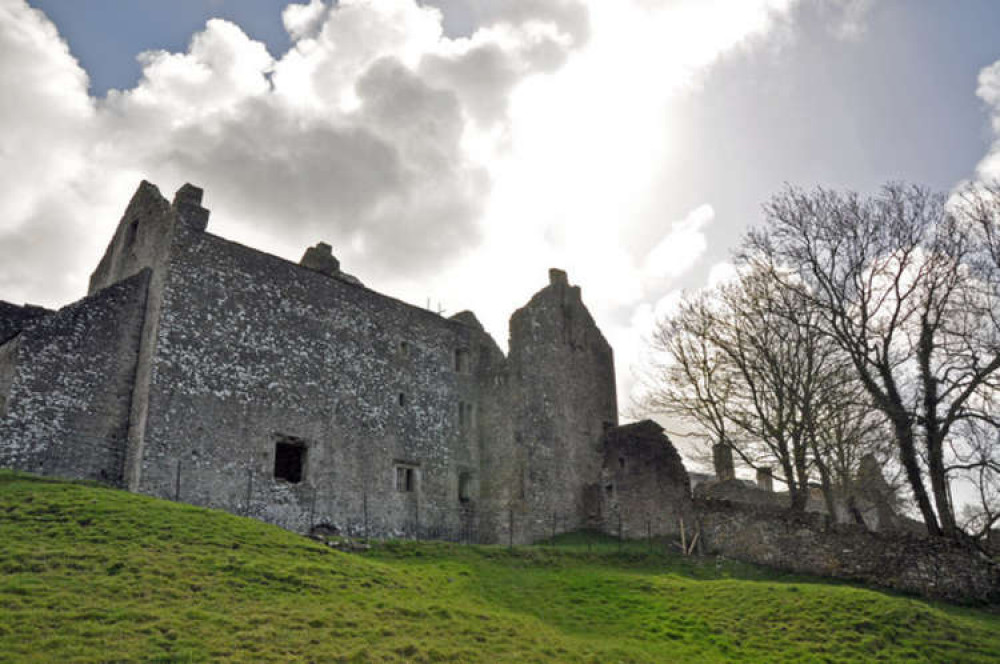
<point x="644" y="488"/>
<point x="68" y="379"/>
<point x="144" y="240"/>
<point x="562" y="387"/>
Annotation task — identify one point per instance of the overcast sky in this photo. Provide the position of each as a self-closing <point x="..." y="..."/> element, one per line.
<point x="454" y="150"/>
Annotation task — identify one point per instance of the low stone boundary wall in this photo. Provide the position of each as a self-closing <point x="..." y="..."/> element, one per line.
<point x="930" y="567"/>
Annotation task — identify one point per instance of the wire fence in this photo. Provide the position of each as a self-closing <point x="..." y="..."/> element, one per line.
<point x="308" y="509"/>
<point x="328" y="513"/>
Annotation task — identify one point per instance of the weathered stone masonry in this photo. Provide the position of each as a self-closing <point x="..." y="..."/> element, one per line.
<point x="222" y="376"/>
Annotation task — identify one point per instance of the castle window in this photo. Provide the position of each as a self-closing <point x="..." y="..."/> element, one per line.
<point x="289" y="460"/>
<point x="461" y="360"/>
<point x="621" y="462"/>
<point x="133" y="231"/>
<point x="8" y="365"/>
<point x="465" y="487"/>
<point x="404" y="349"/>
<point x="406" y="478"/>
<point x="402" y="399"/>
<point x="465" y="416"/>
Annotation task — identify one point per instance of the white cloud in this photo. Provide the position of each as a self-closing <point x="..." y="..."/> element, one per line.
<point x="851" y="18"/>
<point x="45" y="111"/>
<point x="721" y="273"/>
<point x="436" y="166"/>
<point x="989" y="91"/>
<point x="682" y="246"/>
<point x="303" y="21"/>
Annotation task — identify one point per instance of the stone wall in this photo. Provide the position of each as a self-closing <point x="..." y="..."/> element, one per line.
<point x="644" y="488"/>
<point x="14" y="318"/>
<point x="929" y="567"/>
<point x="562" y="385"/>
<point x="252" y="348"/>
<point x="69" y="380"/>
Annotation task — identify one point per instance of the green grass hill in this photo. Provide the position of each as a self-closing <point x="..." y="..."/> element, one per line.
<point x="89" y="574"/>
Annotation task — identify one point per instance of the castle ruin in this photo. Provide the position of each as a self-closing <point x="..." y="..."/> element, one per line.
<point x="202" y="370"/>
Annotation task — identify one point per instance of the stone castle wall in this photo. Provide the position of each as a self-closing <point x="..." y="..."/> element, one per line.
<point x="252" y="349"/>
<point x="562" y="381"/>
<point x="14" y="318"/>
<point x="66" y="383"/>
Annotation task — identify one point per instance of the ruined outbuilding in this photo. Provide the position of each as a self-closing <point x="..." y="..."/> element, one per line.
<point x="644" y="489"/>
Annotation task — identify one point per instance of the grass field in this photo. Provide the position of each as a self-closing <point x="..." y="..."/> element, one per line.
<point x="93" y="575"/>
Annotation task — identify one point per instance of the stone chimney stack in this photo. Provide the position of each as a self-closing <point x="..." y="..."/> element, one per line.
<point x="321" y="259"/>
<point x="187" y="203"/>
<point x="722" y="457"/>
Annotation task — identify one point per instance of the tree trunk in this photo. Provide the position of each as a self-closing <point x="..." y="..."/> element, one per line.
<point x="802" y="476"/>
<point x="796" y="504"/>
<point x="939" y="485"/>
<point x="908" y="457"/>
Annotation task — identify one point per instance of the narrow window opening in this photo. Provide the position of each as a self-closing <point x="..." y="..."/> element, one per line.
<point x="402" y="399"/>
<point x="133" y="230"/>
<point x="8" y="366"/>
<point x="465" y="487"/>
<point x="466" y="416"/>
<point x="405" y="479"/>
<point x="621" y="462"/>
<point x="461" y="360"/>
<point x="404" y="348"/>
<point x="289" y="460"/>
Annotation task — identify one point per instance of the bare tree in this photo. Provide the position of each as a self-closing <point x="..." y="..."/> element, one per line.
<point x="749" y="364"/>
<point x="688" y="377"/>
<point x="907" y="287"/>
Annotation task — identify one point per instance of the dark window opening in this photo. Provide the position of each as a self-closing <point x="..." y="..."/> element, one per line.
<point x="465" y="487"/>
<point x="402" y="399"/>
<point x="621" y="462"/>
<point x="8" y="367"/>
<point x="465" y="416"/>
<point x="133" y="230"/>
<point x="289" y="461"/>
<point x="609" y="488"/>
<point x="461" y="360"/>
<point x="404" y="348"/>
<point x="405" y="479"/>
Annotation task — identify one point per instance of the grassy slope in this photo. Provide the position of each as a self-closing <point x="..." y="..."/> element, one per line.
<point x="89" y="574"/>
